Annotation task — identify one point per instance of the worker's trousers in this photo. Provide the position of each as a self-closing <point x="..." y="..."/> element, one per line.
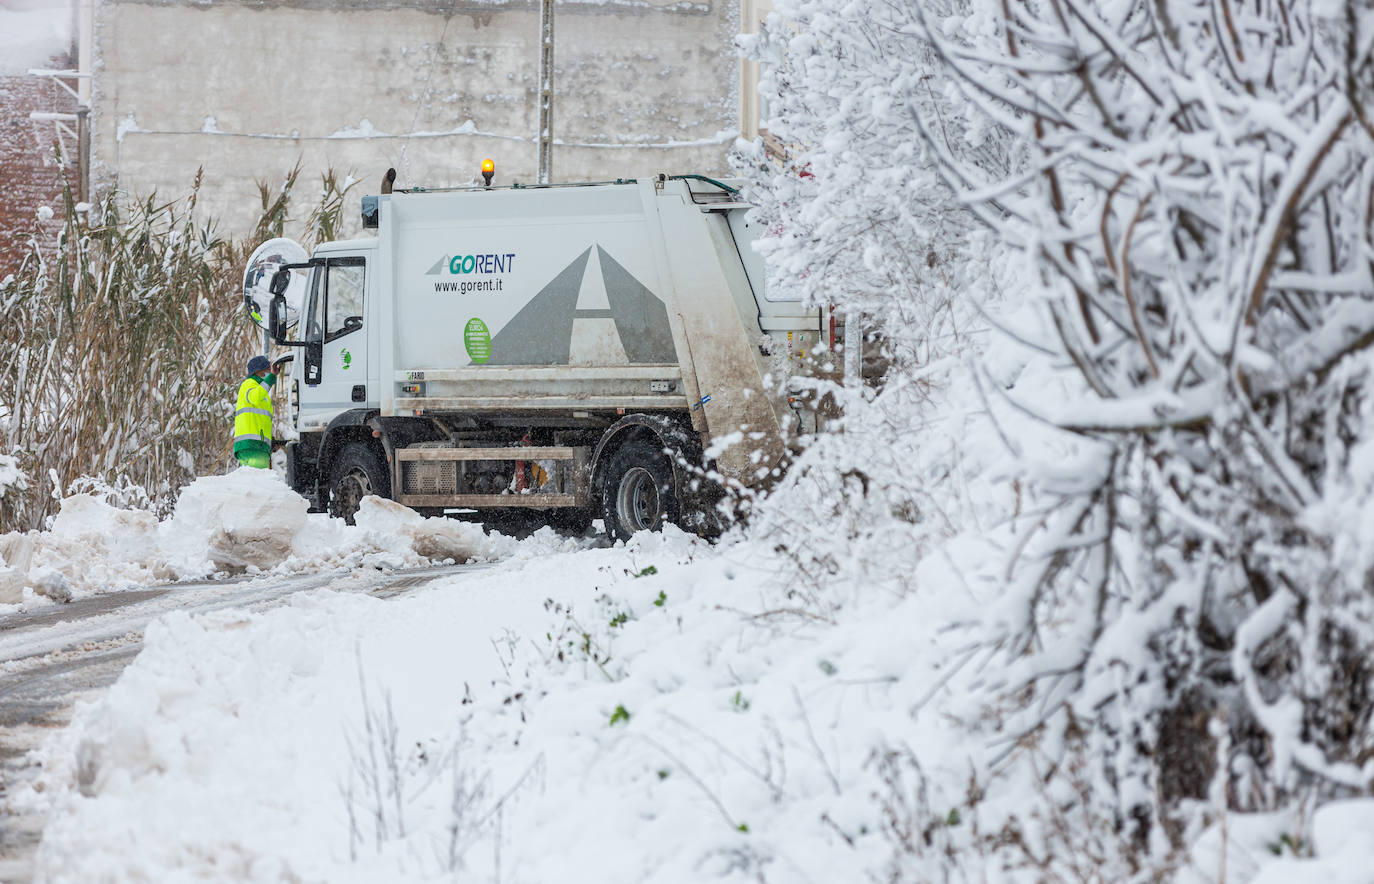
<point x="260" y="459"/>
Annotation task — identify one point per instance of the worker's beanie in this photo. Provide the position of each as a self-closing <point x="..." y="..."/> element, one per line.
<point x="257" y="364"/>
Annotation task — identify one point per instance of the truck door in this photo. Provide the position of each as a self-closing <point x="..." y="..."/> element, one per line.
<point x="335" y="351"/>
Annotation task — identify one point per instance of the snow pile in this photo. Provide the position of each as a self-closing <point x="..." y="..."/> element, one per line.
<point x="386" y="521"/>
<point x="601" y="716"/>
<point x="1336" y="846"/>
<point x="246" y="521"/>
<point x="31" y="33"/>
<point x="222" y="524"/>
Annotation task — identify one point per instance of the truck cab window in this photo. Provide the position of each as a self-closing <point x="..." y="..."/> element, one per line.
<point x="344" y="298"/>
<point x="314" y="314"/>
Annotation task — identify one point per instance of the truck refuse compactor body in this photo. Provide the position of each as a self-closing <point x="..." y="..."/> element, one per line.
<point x="577" y="349"/>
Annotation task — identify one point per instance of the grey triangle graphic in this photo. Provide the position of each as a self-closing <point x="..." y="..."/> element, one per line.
<point x="439" y="267"/>
<point x="640" y="317"/>
<point x="541" y="333"/>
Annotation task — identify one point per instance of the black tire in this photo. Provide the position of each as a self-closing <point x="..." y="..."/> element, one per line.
<point x="355" y="473"/>
<point x="637" y="493"/>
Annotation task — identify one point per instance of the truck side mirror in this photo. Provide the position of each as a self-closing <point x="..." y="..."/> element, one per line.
<point x="276" y="314"/>
<point x="281" y="280"/>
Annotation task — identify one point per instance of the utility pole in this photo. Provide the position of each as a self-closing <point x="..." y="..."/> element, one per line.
<point x="545" y="174"/>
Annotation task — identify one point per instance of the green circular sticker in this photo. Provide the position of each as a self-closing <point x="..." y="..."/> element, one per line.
<point x="477" y="340"/>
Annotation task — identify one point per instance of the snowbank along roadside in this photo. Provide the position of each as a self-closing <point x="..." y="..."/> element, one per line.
<point x="245" y="522"/>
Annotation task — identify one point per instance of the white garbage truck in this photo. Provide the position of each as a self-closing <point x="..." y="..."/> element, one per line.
<point x="602" y="350"/>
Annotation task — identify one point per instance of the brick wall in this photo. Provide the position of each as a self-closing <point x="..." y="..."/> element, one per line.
<point x="26" y="180"/>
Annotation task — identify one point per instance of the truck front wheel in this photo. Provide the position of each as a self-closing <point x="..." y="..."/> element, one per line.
<point x="355" y="474"/>
<point x="638" y="493"/>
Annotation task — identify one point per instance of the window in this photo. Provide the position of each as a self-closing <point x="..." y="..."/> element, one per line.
<point x="314" y="327"/>
<point x="343" y="297"/>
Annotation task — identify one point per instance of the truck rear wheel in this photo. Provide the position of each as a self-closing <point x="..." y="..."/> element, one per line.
<point x="638" y="493"/>
<point x="355" y="474"/>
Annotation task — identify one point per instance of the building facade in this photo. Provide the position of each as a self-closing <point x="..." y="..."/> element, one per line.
<point x="245" y="89"/>
<point x="40" y="144"/>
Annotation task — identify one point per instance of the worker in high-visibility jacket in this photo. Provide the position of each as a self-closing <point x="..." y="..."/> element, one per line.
<point x="253" y="415"/>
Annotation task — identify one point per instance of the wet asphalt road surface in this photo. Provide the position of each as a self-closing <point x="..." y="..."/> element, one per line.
<point x="53" y="656"/>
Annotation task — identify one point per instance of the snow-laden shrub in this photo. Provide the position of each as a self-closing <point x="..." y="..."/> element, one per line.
<point x="855" y="219"/>
<point x="1198" y="214"/>
<point x="1179" y="199"/>
<point x="13" y="483"/>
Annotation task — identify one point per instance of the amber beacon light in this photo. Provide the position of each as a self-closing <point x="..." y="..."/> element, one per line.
<point x="488" y="170"/>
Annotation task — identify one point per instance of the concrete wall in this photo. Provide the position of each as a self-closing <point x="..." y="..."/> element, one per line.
<point x="244" y="88"/>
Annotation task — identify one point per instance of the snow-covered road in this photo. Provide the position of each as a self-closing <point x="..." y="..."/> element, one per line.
<point x="55" y="656"/>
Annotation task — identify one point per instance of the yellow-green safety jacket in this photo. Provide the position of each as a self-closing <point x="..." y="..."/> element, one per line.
<point x="253" y="415"/>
